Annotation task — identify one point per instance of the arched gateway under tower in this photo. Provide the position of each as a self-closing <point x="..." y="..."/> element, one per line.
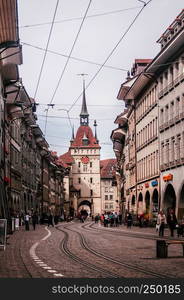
<point x="84" y="153"/>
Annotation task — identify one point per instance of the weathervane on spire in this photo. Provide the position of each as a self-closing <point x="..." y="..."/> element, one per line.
<point x="95" y="125"/>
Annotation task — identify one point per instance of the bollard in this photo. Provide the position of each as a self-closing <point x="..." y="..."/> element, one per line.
<point x="162" y="249"/>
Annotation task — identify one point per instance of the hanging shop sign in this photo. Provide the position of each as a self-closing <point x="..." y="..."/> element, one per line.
<point x="168" y="177"/>
<point x="3" y="231"/>
<point x="154" y="183"/>
<point x="146" y="185"/>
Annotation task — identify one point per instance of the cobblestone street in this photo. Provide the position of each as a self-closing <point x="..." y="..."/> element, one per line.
<point x="77" y="250"/>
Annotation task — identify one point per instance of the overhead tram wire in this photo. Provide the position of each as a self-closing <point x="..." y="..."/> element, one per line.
<point x="79" y="18"/>
<point x="112" y="51"/>
<point x="43" y="62"/>
<point x="89" y="61"/>
<point x="73" y="118"/>
<point x="74" y="58"/>
<point x="64" y="69"/>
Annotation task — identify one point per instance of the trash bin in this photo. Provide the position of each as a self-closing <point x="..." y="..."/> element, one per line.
<point x="161" y="249"/>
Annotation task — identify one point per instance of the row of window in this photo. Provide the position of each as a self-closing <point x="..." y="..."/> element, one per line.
<point x="90" y="164"/>
<point x="172" y="109"/>
<point x="148" y="166"/>
<point x="172" y="149"/>
<point x="171" y="74"/>
<point x="108" y="189"/>
<point x="15" y="132"/>
<point x="81" y="151"/>
<point x="109" y="206"/>
<point x="108" y="197"/>
<point x="91" y="180"/>
<point x="15" y="157"/>
<point x="145" y="104"/>
<point x="147" y="133"/>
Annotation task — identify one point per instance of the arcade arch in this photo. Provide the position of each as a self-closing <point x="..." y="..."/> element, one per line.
<point x="181" y="203"/>
<point x="169" y="199"/>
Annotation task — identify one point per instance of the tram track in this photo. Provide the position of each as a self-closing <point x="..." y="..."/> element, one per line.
<point x="128" y="266"/>
<point x="64" y="248"/>
<point x="90" y="227"/>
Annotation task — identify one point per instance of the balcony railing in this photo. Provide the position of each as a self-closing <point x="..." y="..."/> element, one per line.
<point x="172" y="164"/>
<point x="171" y="85"/>
<point x="172" y="121"/>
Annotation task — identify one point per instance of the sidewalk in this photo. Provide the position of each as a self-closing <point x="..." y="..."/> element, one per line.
<point x="15" y="258"/>
<point x="140" y="230"/>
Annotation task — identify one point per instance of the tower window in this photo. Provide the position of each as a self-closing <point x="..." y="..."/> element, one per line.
<point x="79" y="180"/>
<point x="79" y="164"/>
<point x="91" y="180"/>
<point x="84" y="168"/>
<point x="91" y="192"/>
<point x="91" y="164"/>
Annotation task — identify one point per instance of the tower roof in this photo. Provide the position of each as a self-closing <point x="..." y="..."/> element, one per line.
<point x="85" y="131"/>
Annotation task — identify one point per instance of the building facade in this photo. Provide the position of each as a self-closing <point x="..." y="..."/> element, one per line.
<point x="109" y="191"/>
<point x="155" y="97"/>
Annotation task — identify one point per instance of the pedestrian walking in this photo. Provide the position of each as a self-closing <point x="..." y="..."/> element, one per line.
<point x="50" y="220"/>
<point x="161" y="221"/>
<point x="116" y="217"/>
<point x="106" y="220"/>
<point x="27" y="218"/>
<point x="34" y="220"/>
<point x="129" y="220"/>
<point x="120" y="219"/>
<point x="171" y="221"/>
<point x="97" y="218"/>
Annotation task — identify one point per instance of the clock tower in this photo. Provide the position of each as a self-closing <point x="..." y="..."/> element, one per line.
<point x="85" y="172"/>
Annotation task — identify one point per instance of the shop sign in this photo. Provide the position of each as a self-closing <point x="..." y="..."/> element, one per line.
<point x="154" y="183"/>
<point x="146" y="185"/>
<point x="3" y="231"/>
<point x="168" y="177"/>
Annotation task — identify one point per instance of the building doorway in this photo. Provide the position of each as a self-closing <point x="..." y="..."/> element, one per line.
<point x="155" y="204"/>
<point x="169" y="200"/>
<point x="84" y="205"/>
<point x="140" y="204"/>
<point x="147" y="202"/>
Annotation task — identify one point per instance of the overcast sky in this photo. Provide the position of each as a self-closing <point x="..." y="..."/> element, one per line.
<point x="105" y="24"/>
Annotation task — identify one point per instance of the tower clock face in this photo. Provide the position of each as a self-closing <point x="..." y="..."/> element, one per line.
<point x="85" y="159"/>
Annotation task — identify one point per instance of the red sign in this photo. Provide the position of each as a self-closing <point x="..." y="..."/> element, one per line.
<point x="85" y="159"/>
<point x="7" y="179"/>
<point x="146" y="185"/>
<point x="168" y="177"/>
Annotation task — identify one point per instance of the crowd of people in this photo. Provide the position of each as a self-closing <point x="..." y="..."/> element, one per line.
<point x="113" y="219"/>
<point x="110" y="219"/>
<point x="171" y="222"/>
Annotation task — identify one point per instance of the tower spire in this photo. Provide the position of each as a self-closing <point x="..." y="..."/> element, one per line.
<point x="84" y="116"/>
<point x="73" y="136"/>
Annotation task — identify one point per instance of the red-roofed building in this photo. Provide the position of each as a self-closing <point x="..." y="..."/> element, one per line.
<point x="109" y="190"/>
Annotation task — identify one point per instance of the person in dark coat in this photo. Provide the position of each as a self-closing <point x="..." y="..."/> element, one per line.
<point x="34" y="220"/>
<point x="129" y="220"/>
<point x="171" y="221"/>
<point x="50" y="220"/>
